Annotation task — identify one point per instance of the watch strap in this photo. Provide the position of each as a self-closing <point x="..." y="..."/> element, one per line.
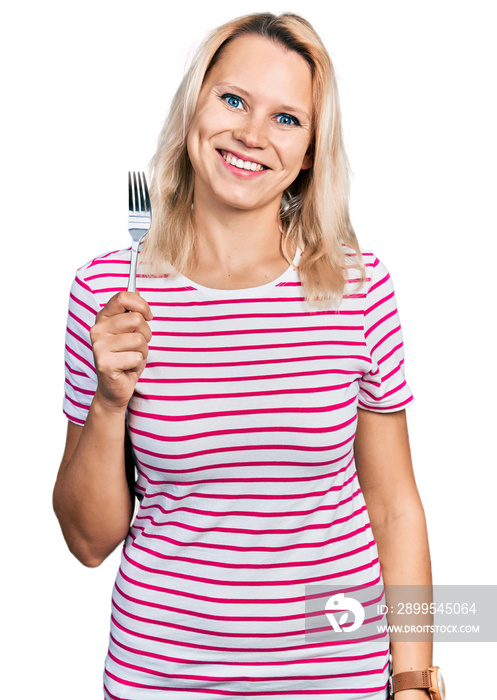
<point x="410" y="679"/>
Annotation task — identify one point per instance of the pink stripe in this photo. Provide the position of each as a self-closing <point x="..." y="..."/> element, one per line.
<point x="249" y="378"/>
<point x="256" y="514"/>
<point x="238" y="530"/>
<point x="276" y="360"/>
<point x="74" y="372"/>
<point x="378" y="284"/>
<point x="255" y="331"/>
<point x="253" y="496"/>
<point x="243" y="448"/>
<point x="79" y="320"/>
<point x="220" y="582"/>
<point x="162" y="657"/>
<point x="242" y="431"/>
<point x="232" y="601"/>
<point x="256" y="567"/>
<point x="228" y="693"/>
<point x="384" y="339"/>
<point x="383" y="300"/>
<point x="230" y="618"/>
<point x="382" y="320"/>
<point x="78" y="339"/>
<point x="234" y="548"/>
<point x="385" y="395"/>
<point x="233" y="649"/>
<point x="390" y="407"/>
<point x="81" y="303"/>
<point x="120" y="275"/>
<point x="80" y="359"/>
<point x="108" y="259"/>
<point x="389" y="354"/>
<point x="395" y="370"/>
<point x="238" y="464"/>
<point x="73" y="419"/>
<point x="278" y="346"/>
<point x="250" y="619"/>
<point x="217" y="302"/>
<point x="261" y="315"/>
<point x="109" y="290"/>
<point x="354" y="296"/>
<point x="86" y="392"/>
<point x="79" y="281"/>
<point x="83" y="406"/>
<point x="245" y="394"/>
<point x="220" y="414"/>
<point x="261" y="635"/>
<point x="190" y="302"/>
<point x="289" y="662"/>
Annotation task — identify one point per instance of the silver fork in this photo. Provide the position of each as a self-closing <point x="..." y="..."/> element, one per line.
<point x="139" y="219"/>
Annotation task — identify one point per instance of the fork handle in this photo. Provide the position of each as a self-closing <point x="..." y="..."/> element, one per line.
<point x="132" y="269"/>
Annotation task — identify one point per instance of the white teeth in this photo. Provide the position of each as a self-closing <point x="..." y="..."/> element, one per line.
<point x="242" y="164"/>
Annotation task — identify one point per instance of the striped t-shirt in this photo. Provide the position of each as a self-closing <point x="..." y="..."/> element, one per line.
<point x="242" y="426"/>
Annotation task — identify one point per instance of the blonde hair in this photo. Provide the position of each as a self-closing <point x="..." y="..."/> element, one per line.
<point x="314" y="209"/>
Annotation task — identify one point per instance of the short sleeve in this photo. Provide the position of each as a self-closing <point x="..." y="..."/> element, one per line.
<point x="80" y="374"/>
<point x="383" y="388"/>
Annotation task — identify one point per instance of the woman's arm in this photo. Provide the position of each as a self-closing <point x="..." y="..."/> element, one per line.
<point x="91" y="495"/>
<point x="384" y="468"/>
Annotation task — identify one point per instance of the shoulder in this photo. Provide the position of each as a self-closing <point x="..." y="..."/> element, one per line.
<point x="101" y="277"/>
<point x="374" y="269"/>
<point x="106" y="272"/>
<point x="114" y="262"/>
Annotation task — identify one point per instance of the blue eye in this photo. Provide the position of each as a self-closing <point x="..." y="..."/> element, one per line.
<point x="232" y="101"/>
<point x="287" y="120"/>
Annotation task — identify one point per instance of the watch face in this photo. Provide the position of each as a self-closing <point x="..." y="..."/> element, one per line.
<point x="441" y="684"/>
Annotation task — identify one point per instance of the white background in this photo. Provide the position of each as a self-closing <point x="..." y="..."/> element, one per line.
<point x="88" y="86"/>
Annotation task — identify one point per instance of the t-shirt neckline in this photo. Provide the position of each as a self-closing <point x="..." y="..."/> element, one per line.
<point x="243" y="291"/>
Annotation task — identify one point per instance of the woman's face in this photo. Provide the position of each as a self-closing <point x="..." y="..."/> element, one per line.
<point x="252" y="126"/>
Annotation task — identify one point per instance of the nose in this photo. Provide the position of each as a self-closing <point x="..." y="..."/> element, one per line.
<point x="252" y="132"/>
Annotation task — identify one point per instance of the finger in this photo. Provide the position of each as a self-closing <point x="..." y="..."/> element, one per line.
<point x="132" y="322"/>
<point x="131" y="362"/>
<point x="113" y="364"/>
<point x="114" y="344"/>
<point x="126" y="301"/>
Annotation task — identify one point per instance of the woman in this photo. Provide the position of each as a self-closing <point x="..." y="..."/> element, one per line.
<point x="262" y="353"/>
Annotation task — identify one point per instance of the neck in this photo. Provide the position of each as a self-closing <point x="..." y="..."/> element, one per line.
<point x="236" y="248"/>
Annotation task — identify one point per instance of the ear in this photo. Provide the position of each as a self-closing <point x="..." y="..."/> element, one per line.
<point x="308" y="158"/>
<point x="307" y="162"/>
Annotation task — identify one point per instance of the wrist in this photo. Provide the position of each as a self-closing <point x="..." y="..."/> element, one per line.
<point x="101" y="406"/>
<point x="418" y="684"/>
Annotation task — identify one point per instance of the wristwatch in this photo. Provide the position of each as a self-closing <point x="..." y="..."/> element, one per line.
<point x="431" y="679"/>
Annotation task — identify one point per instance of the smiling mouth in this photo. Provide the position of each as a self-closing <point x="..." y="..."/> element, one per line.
<point x="233" y="160"/>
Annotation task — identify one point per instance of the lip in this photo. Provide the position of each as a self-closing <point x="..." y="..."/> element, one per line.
<point x="240" y="172"/>
<point x="241" y="156"/>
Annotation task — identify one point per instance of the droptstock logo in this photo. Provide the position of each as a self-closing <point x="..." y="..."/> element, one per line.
<point x="338" y="603"/>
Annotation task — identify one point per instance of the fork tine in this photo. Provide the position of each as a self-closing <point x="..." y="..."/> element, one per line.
<point x="136" y="180"/>
<point x="130" y="191"/>
<point x="141" y="178"/>
<point x="147" y="198"/>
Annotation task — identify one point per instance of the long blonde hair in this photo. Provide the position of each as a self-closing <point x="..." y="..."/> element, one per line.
<point x="314" y="209"/>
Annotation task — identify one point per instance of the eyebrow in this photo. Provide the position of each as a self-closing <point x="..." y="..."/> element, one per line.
<point x="243" y="93"/>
